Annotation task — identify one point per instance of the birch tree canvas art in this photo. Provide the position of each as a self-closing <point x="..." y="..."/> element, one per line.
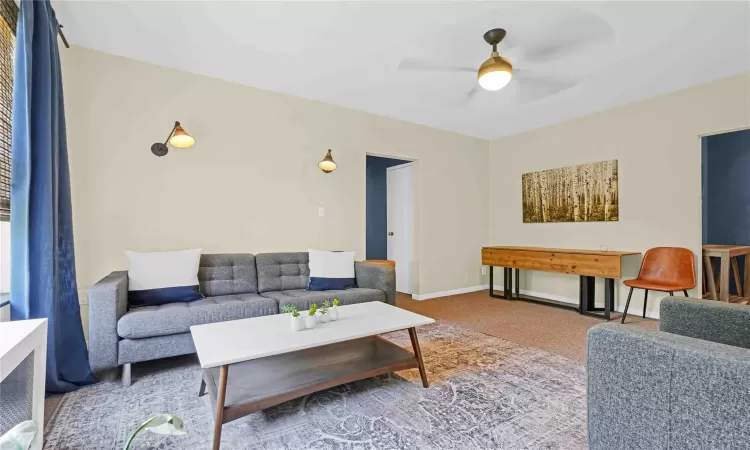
<point x="583" y="193"/>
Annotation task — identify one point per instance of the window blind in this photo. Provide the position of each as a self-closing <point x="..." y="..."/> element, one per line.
<point x="9" y="16"/>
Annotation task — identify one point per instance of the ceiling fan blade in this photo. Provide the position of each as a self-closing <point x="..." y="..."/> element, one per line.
<point x="533" y="85"/>
<point x="464" y="100"/>
<point x="411" y="64"/>
<point x="575" y="31"/>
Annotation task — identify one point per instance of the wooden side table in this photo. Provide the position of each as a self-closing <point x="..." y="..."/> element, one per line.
<point x="727" y="255"/>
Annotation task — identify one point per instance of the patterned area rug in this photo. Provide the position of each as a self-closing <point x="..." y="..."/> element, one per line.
<point x="485" y="393"/>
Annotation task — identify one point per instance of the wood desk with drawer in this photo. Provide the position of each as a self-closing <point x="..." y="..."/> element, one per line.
<point x="587" y="264"/>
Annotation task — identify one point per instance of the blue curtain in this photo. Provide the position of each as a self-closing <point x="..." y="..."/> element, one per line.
<point x="43" y="274"/>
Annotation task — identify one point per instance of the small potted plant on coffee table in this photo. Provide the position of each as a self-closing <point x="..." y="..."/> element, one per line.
<point x="333" y="314"/>
<point x="297" y="322"/>
<point x="334" y="311"/>
<point x="310" y="319"/>
<point x="323" y="312"/>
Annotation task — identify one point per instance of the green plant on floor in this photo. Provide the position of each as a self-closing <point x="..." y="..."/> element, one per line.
<point x="164" y="424"/>
<point x="313" y="309"/>
<point x="290" y="309"/>
<point x="335" y="302"/>
<point x="326" y="305"/>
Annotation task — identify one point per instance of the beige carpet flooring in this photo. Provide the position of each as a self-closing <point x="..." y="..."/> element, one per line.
<point x="555" y="330"/>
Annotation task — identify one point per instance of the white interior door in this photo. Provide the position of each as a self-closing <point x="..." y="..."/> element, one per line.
<point x="400" y="182"/>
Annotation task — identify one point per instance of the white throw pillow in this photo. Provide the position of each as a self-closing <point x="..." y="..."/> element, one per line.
<point x="331" y="270"/>
<point x="157" y="278"/>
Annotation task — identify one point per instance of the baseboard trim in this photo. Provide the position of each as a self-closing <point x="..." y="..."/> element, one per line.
<point x="465" y="290"/>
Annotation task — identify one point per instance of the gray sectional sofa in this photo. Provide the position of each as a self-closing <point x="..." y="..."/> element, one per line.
<point x="686" y="386"/>
<point x="235" y="286"/>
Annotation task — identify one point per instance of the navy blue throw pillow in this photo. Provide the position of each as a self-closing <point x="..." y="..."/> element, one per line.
<point x="330" y="284"/>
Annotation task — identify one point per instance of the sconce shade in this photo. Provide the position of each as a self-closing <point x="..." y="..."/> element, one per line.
<point x="327" y="165"/>
<point x="180" y="138"/>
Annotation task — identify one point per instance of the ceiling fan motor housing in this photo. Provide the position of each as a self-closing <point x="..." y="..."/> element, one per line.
<point x="493" y="64"/>
<point x="494" y="37"/>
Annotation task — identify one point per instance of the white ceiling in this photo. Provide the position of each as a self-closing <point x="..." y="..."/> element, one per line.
<point x="348" y="53"/>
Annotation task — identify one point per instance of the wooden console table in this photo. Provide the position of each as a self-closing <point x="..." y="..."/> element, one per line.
<point x="588" y="264"/>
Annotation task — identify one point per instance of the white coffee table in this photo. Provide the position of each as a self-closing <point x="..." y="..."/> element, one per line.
<point x="271" y="364"/>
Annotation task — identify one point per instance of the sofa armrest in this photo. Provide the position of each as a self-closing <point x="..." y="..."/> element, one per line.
<point x="654" y="390"/>
<point x="709" y="320"/>
<point x="108" y="302"/>
<point x="377" y="276"/>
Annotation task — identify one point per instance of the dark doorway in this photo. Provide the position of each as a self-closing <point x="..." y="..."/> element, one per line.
<point x="726" y="192"/>
<point x="377" y="206"/>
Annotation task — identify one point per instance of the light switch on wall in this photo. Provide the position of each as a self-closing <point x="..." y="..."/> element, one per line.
<point x="321" y="211"/>
<point x="484" y="270"/>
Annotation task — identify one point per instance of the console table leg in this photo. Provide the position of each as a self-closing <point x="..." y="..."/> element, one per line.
<point x="418" y="355"/>
<point x="587" y="294"/>
<point x="220" y="397"/>
<point x="609" y="297"/>
<point x="518" y="283"/>
<point x="508" y="276"/>
<point x="492" y="281"/>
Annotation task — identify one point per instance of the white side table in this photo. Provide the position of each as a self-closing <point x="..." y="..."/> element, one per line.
<point x="23" y="364"/>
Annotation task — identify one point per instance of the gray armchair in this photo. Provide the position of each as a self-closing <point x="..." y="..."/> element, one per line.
<point x="684" y="387"/>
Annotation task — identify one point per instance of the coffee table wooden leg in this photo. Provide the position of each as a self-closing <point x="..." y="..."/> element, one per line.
<point x="418" y="355"/>
<point x="220" y="397"/>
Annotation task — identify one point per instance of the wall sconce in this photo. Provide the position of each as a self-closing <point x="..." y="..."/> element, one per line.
<point x="178" y="138"/>
<point x="327" y="164"/>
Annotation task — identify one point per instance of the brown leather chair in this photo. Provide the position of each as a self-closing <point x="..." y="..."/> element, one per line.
<point x="665" y="269"/>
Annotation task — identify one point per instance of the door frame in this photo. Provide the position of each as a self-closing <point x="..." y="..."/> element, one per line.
<point x="699" y="260"/>
<point x="415" y="210"/>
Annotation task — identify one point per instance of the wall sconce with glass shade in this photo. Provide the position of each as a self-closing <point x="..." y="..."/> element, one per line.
<point x="327" y="164"/>
<point x="178" y="138"/>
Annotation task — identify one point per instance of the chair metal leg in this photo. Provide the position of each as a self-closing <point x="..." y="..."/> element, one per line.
<point x="645" y="302"/>
<point x="126" y="379"/>
<point x="627" y="305"/>
<point x="685" y="291"/>
<point x="671" y="294"/>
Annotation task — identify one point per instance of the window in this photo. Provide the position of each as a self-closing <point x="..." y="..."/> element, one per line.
<point x="9" y="16"/>
<point x="8" y="19"/>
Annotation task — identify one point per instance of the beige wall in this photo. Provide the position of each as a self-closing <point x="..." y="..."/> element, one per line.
<point x="251" y="182"/>
<point x="657" y="145"/>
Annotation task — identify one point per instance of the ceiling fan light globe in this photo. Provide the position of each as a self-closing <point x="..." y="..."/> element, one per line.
<point x="495" y="73"/>
<point x="494" y="81"/>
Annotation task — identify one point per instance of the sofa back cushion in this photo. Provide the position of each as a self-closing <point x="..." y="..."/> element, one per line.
<point x="282" y="271"/>
<point x="227" y="274"/>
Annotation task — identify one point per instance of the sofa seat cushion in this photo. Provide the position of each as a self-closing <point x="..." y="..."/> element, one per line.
<point x="174" y="318"/>
<point x="302" y="298"/>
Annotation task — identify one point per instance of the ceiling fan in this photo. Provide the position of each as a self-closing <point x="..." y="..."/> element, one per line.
<point x="497" y="71"/>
